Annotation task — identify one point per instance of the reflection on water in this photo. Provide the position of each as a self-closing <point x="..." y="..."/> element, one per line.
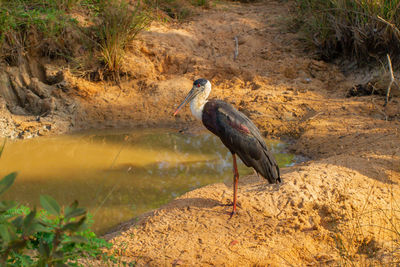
<point x="118" y="175"/>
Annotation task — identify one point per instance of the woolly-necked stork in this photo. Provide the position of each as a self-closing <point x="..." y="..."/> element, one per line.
<point x="236" y="131"/>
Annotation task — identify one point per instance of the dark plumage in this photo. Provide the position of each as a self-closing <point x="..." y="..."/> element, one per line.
<point x="241" y="137"/>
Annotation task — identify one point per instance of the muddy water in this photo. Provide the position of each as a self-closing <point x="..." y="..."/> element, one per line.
<point x="118" y="175"/>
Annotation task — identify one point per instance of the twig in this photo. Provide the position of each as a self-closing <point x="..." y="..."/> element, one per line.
<point x="314" y="116"/>
<point x="391" y="25"/>
<point x="391" y="80"/>
<point x="115" y="185"/>
<point x="235" y="56"/>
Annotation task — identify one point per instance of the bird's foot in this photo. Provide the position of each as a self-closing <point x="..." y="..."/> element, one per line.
<point x="230" y="204"/>
<point x="232" y="213"/>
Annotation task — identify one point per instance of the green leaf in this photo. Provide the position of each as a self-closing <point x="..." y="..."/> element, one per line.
<point x="76" y="239"/>
<point x="46" y="223"/>
<point x="2" y="146"/>
<point x="7" y="181"/>
<point x="18" y="222"/>
<point x="22" y="260"/>
<point x="18" y="244"/>
<point x="74" y="213"/>
<point x="74" y="204"/>
<point x="50" y="204"/>
<point x="74" y="226"/>
<point x="44" y="249"/>
<point x="29" y="218"/>
<point x="6" y="205"/>
<point x="40" y="227"/>
<point x="4" y="233"/>
<point x="13" y="231"/>
<point x="29" y="222"/>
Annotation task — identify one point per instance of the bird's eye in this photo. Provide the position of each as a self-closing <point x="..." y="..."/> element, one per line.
<point x="198" y="85"/>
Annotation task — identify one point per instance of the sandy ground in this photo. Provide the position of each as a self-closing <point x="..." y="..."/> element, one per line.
<point x="341" y="207"/>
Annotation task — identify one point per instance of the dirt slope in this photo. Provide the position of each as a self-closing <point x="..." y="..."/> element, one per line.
<point x="341" y="207"/>
<point x="162" y="63"/>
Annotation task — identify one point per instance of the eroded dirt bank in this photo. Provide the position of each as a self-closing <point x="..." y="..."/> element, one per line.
<point x="340" y="207"/>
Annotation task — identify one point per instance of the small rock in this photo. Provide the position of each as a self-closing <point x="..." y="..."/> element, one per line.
<point x="177" y="262"/>
<point x="233" y="242"/>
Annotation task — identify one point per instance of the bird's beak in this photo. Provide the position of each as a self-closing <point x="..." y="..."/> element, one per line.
<point x="188" y="98"/>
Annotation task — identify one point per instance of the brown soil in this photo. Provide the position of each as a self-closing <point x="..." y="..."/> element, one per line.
<point x="340" y="207"/>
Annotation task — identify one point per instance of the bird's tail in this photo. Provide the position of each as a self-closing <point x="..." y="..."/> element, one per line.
<point x="270" y="169"/>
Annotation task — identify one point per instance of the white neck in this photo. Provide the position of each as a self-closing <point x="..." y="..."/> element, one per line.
<point x="197" y="104"/>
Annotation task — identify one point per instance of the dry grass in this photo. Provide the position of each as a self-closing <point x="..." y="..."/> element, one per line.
<point x="361" y="29"/>
<point x="372" y="236"/>
<point x="119" y="25"/>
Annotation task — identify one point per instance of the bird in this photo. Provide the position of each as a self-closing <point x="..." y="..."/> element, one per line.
<point x="236" y="131"/>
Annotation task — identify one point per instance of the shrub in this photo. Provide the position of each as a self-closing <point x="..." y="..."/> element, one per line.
<point x="48" y="28"/>
<point x="361" y="29"/>
<point x="50" y="237"/>
<point x="175" y="9"/>
<point x="34" y="27"/>
<point x="120" y="23"/>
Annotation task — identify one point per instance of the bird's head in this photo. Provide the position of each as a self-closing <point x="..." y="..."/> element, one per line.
<point x="201" y="87"/>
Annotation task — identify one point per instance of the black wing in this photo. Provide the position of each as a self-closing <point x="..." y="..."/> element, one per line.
<point x="242" y="137"/>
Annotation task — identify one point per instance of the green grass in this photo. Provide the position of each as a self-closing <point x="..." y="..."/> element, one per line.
<point x="50" y="28"/>
<point x="90" y="35"/>
<point x="203" y="3"/>
<point x="179" y="10"/>
<point x="360" y="29"/>
<point x="32" y="26"/>
<point x="120" y="23"/>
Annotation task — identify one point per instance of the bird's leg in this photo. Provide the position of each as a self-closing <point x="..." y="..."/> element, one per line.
<point x="235" y="183"/>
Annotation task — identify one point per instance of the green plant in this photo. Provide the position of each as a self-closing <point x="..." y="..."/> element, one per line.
<point x="175" y="9"/>
<point x="120" y="23"/>
<point x="50" y="237"/>
<point x="33" y="26"/>
<point x="67" y="4"/>
<point x="204" y="3"/>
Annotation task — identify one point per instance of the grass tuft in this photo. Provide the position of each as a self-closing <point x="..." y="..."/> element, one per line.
<point x="120" y="23"/>
<point x="361" y="29"/>
<point x="34" y="27"/>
